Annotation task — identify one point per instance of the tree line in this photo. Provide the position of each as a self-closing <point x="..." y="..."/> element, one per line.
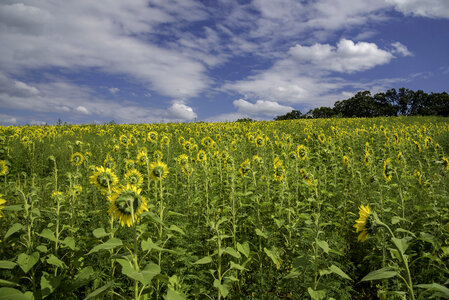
<point x="403" y="102"/>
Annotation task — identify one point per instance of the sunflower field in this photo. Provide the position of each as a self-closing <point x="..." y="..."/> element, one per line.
<point x="300" y="209"/>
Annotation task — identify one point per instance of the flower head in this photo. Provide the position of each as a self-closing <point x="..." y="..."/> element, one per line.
<point x="158" y="170"/>
<point x="3" y="168"/>
<point x="103" y="179"/>
<point x="2" y="202"/>
<point x="363" y="223"/>
<point x="77" y="159"/>
<point x="127" y="204"/>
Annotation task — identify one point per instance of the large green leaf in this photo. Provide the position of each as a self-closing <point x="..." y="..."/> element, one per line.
<point x="7" y="264"/>
<point x="48" y="234"/>
<point x="339" y="272"/>
<point x="243" y="248"/>
<point x="274" y="254"/>
<point x="26" y="262"/>
<point x="435" y="287"/>
<point x="53" y="260"/>
<point x="174" y="295"/>
<point x="49" y="283"/>
<point x="110" y="244"/>
<point x="99" y="232"/>
<point x="13" y="229"/>
<point x="100" y="291"/>
<point x="401" y="244"/>
<point x="316" y="295"/>
<point x="7" y="293"/>
<point x="232" y="252"/>
<point x="204" y="260"/>
<point x="144" y="276"/>
<point x="383" y="273"/>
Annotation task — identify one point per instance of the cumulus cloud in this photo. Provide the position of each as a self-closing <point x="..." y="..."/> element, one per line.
<point x="346" y="57"/>
<point x="82" y="110"/>
<point x="428" y="8"/>
<point x="401" y="49"/>
<point x="114" y="90"/>
<point x="103" y="35"/>
<point x="179" y="111"/>
<point x="7" y="119"/>
<point x="261" y="107"/>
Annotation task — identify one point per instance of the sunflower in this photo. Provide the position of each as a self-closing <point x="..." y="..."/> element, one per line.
<point x="158" y="170"/>
<point x="157" y="155"/>
<point x="279" y="170"/>
<point x="259" y="141"/>
<point x="25" y="140"/>
<point x="399" y="157"/>
<point x="207" y="141"/>
<point x="418" y="146"/>
<point x="103" y="179"/>
<point x="181" y="140"/>
<point x="57" y="195"/>
<point x="302" y="152"/>
<point x="292" y="155"/>
<point x="183" y="160"/>
<point x="257" y="160"/>
<point x="134" y="177"/>
<point x="322" y="138"/>
<point x="363" y="223"/>
<point x="3" y="168"/>
<point x="142" y="158"/>
<point x="345" y="159"/>
<point x="224" y="155"/>
<point x="387" y="172"/>
<point x="127" y="204"/>
<point x="87" y="155"/>
<point x="109" y="162"/>
<point x="2" y="202"/>
<point x="165" y="140"/>
<point x="77" y="159"/>
<point x="366" y="158"/>
<point x="152" y="136"/>
<point x="187" y="170"/>
<point x="445" y="163"/>
<point x="306" y="177"/>
<point x="418" y="176"/>
<point x="123" y="139"/>
<point x="187" y="145"/>
<point x="245" y="167"/>
<point x="201" y="156"/>
<point x="234" y="145"/>
<point x="130" y="164"/>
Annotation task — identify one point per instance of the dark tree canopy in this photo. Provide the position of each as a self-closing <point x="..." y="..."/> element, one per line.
<point x="403" y="102"/>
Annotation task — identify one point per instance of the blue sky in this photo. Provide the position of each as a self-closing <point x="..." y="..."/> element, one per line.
<point x="182" y="60"/>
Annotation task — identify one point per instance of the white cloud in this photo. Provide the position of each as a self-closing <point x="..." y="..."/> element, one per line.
<point x="104" y="35"/>
<point x="401" y="49"/>
<point x="229" y="117"/>
<point x="261" y="107"/>
<point x="82" y="110"/>
<point x="113" y="90"/>
<point x="7" y="119"/>
<point x="427" y="8"/>
<point x="346" y="57"/>
<point x="182" y="112"/>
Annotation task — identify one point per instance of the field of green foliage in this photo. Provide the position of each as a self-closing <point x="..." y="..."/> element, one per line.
<point x="301" y="209"/>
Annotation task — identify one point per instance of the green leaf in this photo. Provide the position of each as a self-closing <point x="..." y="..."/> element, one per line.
<point x="323" y="245"/>
<point x="145" y="276"/>
<point x="8" y="283"/>
<point x="177" y="229"/>
<point x="401" y="244"/>
<point x="7" y="293"/>
<point x="316" y="295"/>
<point x="204" y="260"/>
<point x="435" y="287"/>
<point x="236" y="266"/>
<point x="16" y="207"/>
<point x="232" y="252"/>
<point x="110" y="244"/>
<point x="224" y="290"/>
<point x="49" y="284"/>
<point x="53" y="260"/>
<point x="100" y="291"/>
<point x="7" y="264"/>
<point x="383" y="273"/>
<point x="69" y="242"/>
<point x="42" y="248"/>
<point x="99" y="232"/>
<point x="13" y="229"/>
<point x="274" y="254"/>
<point x="339" y="272"/>
<point x="83" y="277"/>
<point x="174" y="295"/>
<point x="243" y="248"/>
<point x="48" y="234"/>
<point x="260" y="233"/>
<point x="26" y="262"/>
